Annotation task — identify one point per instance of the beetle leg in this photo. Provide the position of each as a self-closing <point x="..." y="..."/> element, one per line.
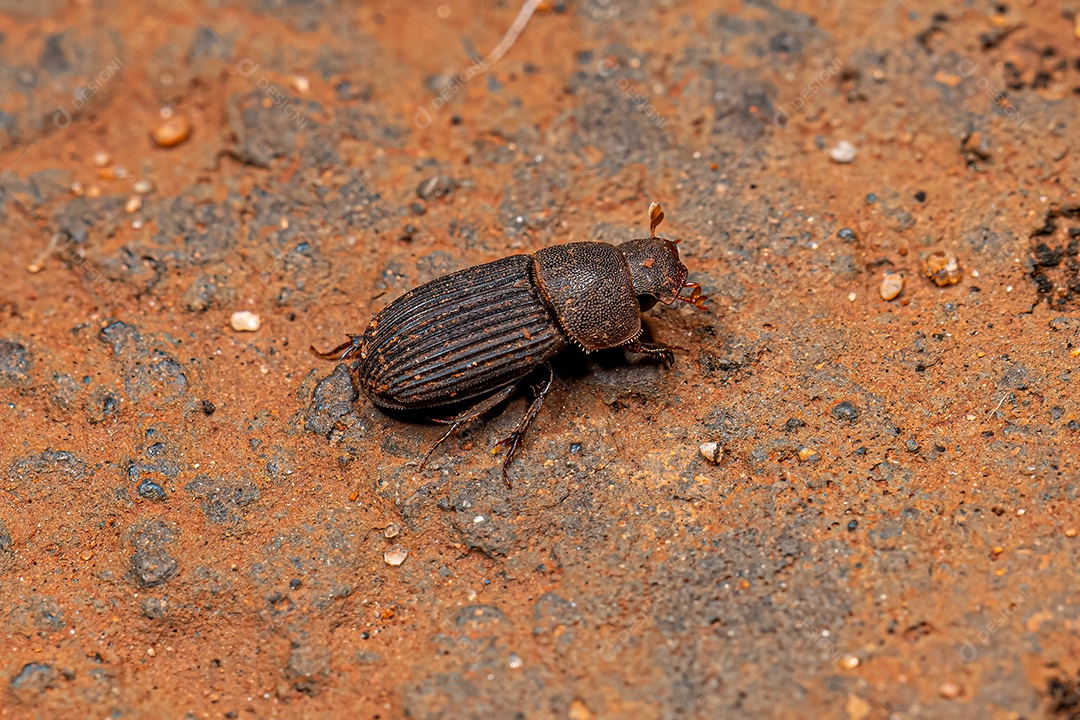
<point x="342" y="351"/>
<point x="467" y="417"/>
<point x="513" y="441"/>
<point x="660" y="351"/>
<point x="695" y="297"/>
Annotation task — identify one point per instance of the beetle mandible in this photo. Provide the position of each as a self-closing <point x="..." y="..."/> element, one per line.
<point x="473" y="335"/>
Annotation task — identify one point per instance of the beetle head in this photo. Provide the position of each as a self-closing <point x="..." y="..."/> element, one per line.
<point x="657" y="271"/>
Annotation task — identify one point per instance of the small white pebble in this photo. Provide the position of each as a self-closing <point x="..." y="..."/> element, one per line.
<point x="844" y="152"/>
<point x="301" y="83"/>
<point x="851" y="297"/>
<point x="395" y="555"/>
<point x="392" y="530"/>
<point x="849" y="662"/>
<point x="711" y="451"/>
<point x="478" y="519"/>
<point x="245" y="321"/>
<point x="951" y="690"/>
<point x="143" y="187"/>
<point x="515" y="661"/>
<point x="133" y="204"/>
<point x="102" y="159"/>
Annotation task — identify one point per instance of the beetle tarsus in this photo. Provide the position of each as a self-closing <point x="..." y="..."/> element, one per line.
<point x="659" y="351"/>
<point x="513" y="441"/>
<point x="342" y="352"/>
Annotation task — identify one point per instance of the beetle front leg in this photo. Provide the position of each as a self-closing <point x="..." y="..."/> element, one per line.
<point x="467" y="417"/>
<point x="514" y="439"/>
<point x="660" y="351"/>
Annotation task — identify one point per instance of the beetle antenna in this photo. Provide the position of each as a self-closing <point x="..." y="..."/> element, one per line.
<point x="695" y="297"/>
<point x="342" y="351"/>
<point x="656" y="216"/>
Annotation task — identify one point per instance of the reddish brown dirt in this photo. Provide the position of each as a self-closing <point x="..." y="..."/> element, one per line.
<point x="193" y="520"/>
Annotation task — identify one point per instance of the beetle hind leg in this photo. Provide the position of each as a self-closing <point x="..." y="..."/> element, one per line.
<point x="465" y="418"/>
<point x="342" y="351"/>
<point x="512" y="442"/>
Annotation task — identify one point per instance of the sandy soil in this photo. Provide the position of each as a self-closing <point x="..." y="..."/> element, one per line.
<point x="194" y="521"/>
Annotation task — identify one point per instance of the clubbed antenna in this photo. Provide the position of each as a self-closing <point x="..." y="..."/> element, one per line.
<point x="656" y="216"/>
<point x="695" y="297"/>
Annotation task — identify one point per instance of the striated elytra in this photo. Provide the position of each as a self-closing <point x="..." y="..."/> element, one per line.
<point x="469" y="338"/>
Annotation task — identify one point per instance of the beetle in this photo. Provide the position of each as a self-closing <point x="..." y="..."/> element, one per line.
<point x="469" y="338"/>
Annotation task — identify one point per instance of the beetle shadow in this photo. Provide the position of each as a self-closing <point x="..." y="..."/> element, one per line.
<point x="441" y="414"/>
<point x="573" y="363"/>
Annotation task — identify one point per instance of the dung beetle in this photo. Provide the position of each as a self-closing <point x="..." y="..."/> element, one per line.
<point x="467" y="339"/>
